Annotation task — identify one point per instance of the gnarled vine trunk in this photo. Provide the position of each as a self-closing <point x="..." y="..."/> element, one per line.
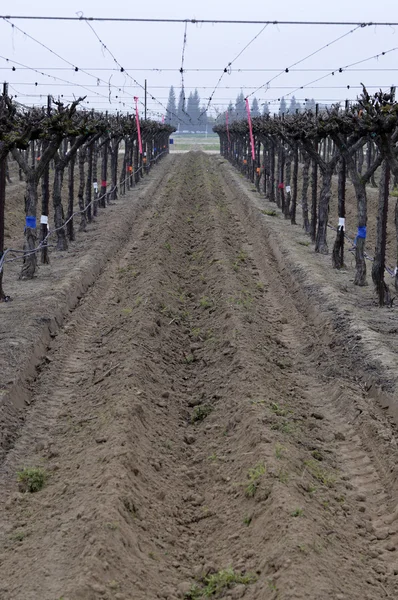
<point x="287" y="182"/>
<point x="314" y="197"/>
<point x="59" y="218"/>
<point x="378" y="267"/>
<point x="80" y="193"/>
<point x="360" y="191"/>
<point x="271" y="187"/>
<point x="30" y="258"/>
<point x="321" y="245"/>
<point x="71" y="195"/>
<point x="295" y="186"/>
<point x="45" y="202"/>
<point x="304" y="192"/>
<point x="338" y="248"/>
<point x="89" y="183"/>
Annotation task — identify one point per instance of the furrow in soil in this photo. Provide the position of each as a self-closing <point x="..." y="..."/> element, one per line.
<point x="191" y="431"/>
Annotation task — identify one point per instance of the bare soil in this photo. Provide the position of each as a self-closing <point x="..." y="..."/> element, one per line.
<point x="209" y="404"/>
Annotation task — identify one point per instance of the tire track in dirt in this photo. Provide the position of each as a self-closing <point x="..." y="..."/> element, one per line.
<point x="27" y="325"/>
<point x="68" y="371"/>
<point x="186" y="426"/>
<point x="365" y="438"/>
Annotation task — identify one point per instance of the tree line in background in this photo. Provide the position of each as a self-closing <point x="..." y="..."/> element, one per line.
<point x="188" y="115"/>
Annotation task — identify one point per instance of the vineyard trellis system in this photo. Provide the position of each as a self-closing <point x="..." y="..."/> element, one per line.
<point x="55" y="140"/>
<point x="354" y="141"/>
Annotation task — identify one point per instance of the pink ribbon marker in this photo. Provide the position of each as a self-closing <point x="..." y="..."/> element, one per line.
<point x="250" y="129"/>
<point x="137" y="118"/>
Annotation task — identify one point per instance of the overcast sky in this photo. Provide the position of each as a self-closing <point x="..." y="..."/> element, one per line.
<point x="145" y="50"/>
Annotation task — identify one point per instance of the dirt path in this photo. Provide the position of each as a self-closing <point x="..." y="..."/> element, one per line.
<point x="196" y="429"/>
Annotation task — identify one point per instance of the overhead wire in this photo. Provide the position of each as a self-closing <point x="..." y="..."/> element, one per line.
<point x="14" y="62"/>
<point x="287" y="69"/>
<point x="40" y="43"/>
<point x="228" y="67"/>
<point x="122" y="69"/>
<point x="227" y="87"/>
<point x="228" y="98"/>
<point x="197" y="21"/>
<point x="182" y="68"/>
<point x="108" y="84"/>
<point x="341" y="69"/>
<point x="66" y="98"/>
<point x="75" y="68"/>
<point x="206" y="70"/>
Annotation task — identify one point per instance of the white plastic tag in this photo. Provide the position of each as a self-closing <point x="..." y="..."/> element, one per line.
<point x="44" y="220"/>
<point x="95" y="186"/>
<point x="342" y="222"/>
<point x="288" y="189"/>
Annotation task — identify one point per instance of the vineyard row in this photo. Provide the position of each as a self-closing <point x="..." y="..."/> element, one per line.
<point x="357" y="142"/>
<point x="65" y="143"/>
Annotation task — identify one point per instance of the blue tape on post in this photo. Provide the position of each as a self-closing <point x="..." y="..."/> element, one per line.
<point x="171" y="141"/>
<point x="31" y="222"/>
<point x="361" y="233"/>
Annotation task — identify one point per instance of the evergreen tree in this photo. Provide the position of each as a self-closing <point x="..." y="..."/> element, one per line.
<point x="282" y="107"/>
<point x="311" y="105"/>
<point x="293" y="106"/>
<point x="231" y="112"/>
<point x="265" y="109"/>
<point x="196" y="108"/>
<point x="193" y="110"/>
<point x="203" y="119"/>
<point x="180" y="111"/>
<point x="255" y="111"/>
<point x="171" y="110"/>
<point x="240" y="107"/>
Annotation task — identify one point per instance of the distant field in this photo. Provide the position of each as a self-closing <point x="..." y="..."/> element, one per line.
<point x="185" y="143"/>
